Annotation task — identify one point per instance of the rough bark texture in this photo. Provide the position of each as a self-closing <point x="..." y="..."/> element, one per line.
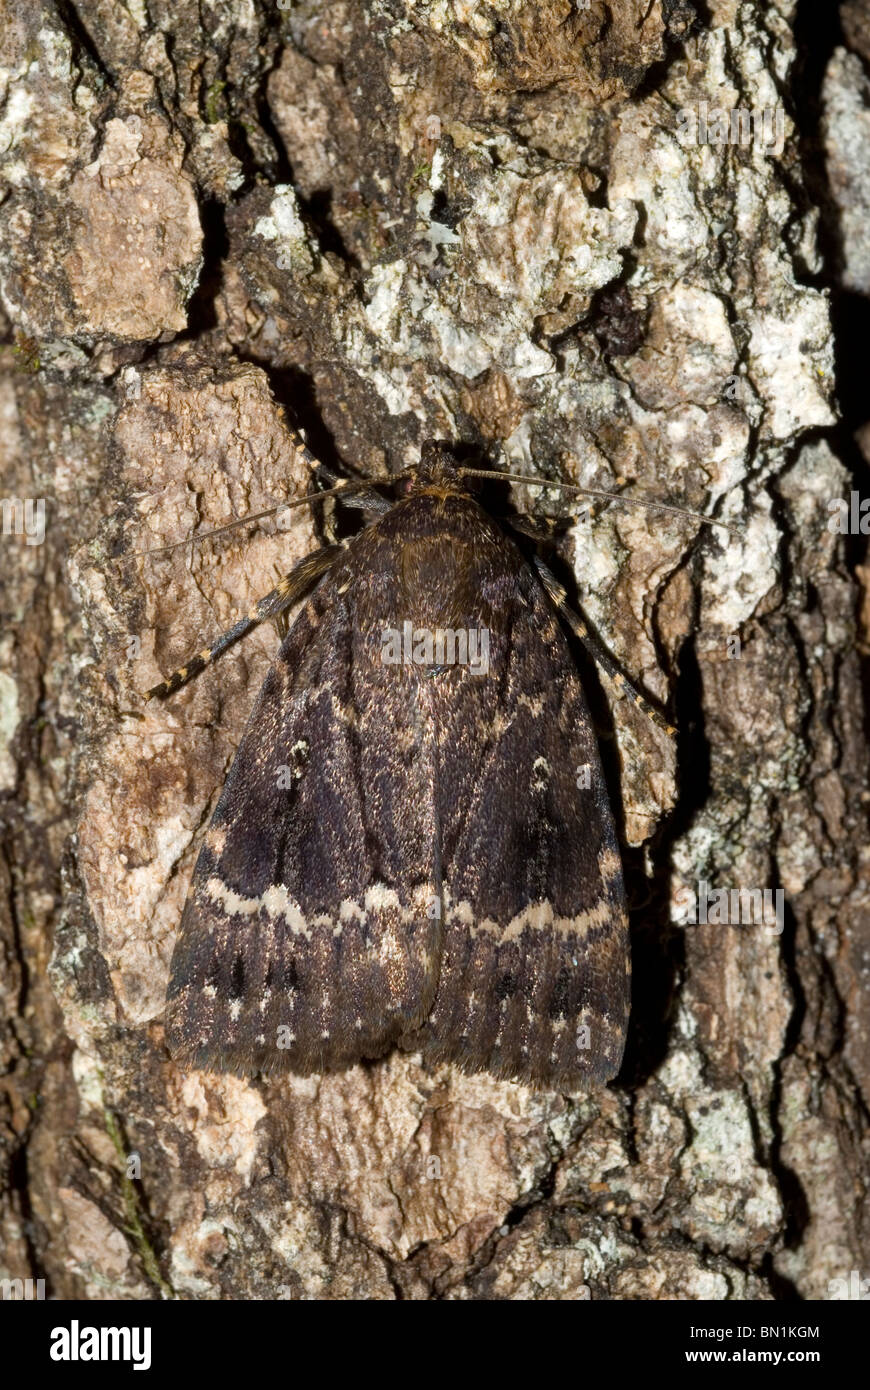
<point x="394" y="222"/>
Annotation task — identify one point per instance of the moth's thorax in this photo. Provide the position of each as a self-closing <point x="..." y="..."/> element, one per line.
<point x="446" y="555"/>
<point x="438" y="588"/>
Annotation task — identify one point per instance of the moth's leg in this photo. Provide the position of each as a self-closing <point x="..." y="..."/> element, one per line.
<point x="596" y="650"/>
<point x="541" y="527"/>
<point x="282" y="624"/>
<point x="281" y="619"/>
<point x="537" y="527"/>
<point x="291" y="587"/>
<point x="365" y="500"/>
<point x="371" y="503"/>
<point x="301" y="447"/>
<point x="347" y="488"/>
<point x="358" y="497"/>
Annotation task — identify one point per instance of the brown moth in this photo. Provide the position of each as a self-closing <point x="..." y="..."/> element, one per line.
<point x="414" y="844"/>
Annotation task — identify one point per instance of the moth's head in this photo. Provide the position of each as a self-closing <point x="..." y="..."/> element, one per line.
<point x="438" y="469"/>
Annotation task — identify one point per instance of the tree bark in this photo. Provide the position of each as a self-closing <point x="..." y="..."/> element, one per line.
<point x="536" y="229"/>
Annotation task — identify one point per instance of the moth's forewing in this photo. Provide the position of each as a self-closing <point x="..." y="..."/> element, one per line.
<point x="311" y="934"/>
<point x="534" y="979"/>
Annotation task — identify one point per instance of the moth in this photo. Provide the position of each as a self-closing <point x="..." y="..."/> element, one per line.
<point x="412" y="848"/>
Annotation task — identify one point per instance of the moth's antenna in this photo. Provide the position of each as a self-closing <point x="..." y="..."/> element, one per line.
<point x="592" y="492"/>
<point x="343" y="486"/>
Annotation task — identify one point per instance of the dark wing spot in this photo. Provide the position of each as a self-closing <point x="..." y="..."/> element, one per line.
<point x="560" y="1002"/>
<point x="506" y="986"/>
<point x="237" y="978"/>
